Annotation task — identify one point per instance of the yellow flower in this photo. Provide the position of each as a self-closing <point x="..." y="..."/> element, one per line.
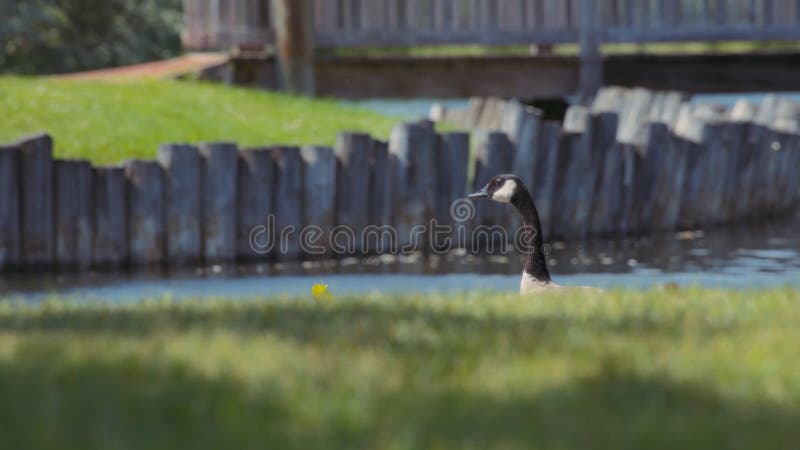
<point x="320" y="292"/>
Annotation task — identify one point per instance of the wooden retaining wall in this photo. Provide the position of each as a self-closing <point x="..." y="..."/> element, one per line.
<point x="638" y="161"/>
<point x="634" y="162"/>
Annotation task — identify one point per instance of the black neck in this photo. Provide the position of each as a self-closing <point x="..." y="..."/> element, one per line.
<point x="533" y="242"/>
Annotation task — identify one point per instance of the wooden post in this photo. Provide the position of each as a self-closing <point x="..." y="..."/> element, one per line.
<point x="380" y="184"/>
<point x="9" y="208"/>
<point x="778" y="146"/>
<point x="37" y="224"/>
<point x="220" y="165"/>
<point x="380" y="196"/>
<point x="547" y="171"/>
<point x="146" y="230"/>
<point x="74" y="213"/>
<point x="590" y="77"/>
<point x="256" y="203"/>
<point x="609" y="196"/>
<point x="716" y="146"/>
<point x="586" y="169"/>
<point x="791" y="187"/>
<point x="494" y="155"/>
<point x="649" y="178"/>
<point x="110" y="243"/>
<point x="183" y="209"/>
<point x="524" y="129"/>
<point x="288" y="202"/>
<point x="677" y="164"/>
<point x="570" y="172"/>
<point x="294" y="32"/>
<point x="452" y="164"/>
<point x="352" y="183"/>
<point x="413" y="146"/>
<point x="737" y="178"/>
<point x="747" y="167"/>
<point x="693" y="206"/>
<point x="319" y="198"/>
<point x="719" y="152"/>
<point x="474" y="111"/>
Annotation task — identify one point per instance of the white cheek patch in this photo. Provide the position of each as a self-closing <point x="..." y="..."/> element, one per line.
<point x="505" y="193"/>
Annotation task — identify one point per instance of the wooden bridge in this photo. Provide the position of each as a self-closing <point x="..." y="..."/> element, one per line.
<point x="295" y="28"/>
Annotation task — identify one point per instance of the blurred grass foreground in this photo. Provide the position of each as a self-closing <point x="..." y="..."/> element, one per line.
<point x="666" y="368"/>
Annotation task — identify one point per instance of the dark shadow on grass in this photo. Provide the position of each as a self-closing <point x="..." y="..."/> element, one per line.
<point x="47" y="402"/>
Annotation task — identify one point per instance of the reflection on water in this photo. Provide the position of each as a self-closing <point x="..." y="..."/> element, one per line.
<point x="740" y="257"/>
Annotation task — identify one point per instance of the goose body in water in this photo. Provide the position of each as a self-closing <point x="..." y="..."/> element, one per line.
<point x="510" y="189"/>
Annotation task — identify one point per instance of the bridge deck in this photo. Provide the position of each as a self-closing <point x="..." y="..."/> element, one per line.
<point x="354" y="23"/>
<point x="532" y="77"/>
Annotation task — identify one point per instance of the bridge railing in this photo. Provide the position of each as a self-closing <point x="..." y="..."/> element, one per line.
<point x="356" y="23"/>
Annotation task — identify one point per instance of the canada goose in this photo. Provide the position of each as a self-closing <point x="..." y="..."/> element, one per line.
<point x="510" y="189"/>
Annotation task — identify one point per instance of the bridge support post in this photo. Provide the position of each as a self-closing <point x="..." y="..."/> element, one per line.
<point x="590" y="77"/>
<point x="294" y="30"/>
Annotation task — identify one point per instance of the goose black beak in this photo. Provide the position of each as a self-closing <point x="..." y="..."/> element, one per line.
<point x="482" y="194"/>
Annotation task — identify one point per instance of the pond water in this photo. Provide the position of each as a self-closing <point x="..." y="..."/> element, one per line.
<point x="746" y="256"/>
<point x="766" y="255"/>
<point x="416" y="108"/>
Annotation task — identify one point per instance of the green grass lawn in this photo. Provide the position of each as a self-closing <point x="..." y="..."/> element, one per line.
<point x="661" y="369"/>
<point x="108" y="122"/>
<point x="613" y="48"/>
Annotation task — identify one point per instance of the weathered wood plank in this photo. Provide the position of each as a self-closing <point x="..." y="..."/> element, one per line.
<point x="633" y="117"/>
<point x="523" y="126"/>
<point x="779" y="159"/>
<point x="352" y="183"/>
<point x="790" y="195"/>
<point x="220" y="163"/>
<point x="753" y="180"/>
<point x="413" y="145"/>
<point x="607" y="208"/>
<point x="110" y="242"/>
<point x="380" y="198"/>
<point x="719" y="153"/>
<point x="696" y="186"/>
<point x="183" y="211"/>
<point x="10" y="257"/>
<point x="731" y="185"/>
<point x="74" y="213"/>
<point x="319" y="199"/>
<point x="255" y="238"/>
<point x="452" y="161"/>
<point x="474" y="111"/>
<point x="652" y="180"/>
<point x="147" y="228"/>
<point x="575" y="119"/>
<point x="572" y="153"/>
<point x="494" y="154"/>
<point x="586" y="169"/>
<point x="672" y="166"/>
<point x="547" y="171"/>
<point x="288" y="202"/>
<point x="743" y="111"/>
<point x="37" y="208"/>
<point x="491" y="114"/>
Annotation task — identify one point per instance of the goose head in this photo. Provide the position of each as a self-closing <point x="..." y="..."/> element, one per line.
<point x="501" y="188"/>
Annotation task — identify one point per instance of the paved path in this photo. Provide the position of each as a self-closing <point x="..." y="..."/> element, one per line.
<point x="168" y="68"/>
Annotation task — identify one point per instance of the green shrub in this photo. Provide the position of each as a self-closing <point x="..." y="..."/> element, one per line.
<point x="57" y="36"/>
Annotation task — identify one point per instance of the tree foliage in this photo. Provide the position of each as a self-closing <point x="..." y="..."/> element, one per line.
<point x="57" y="36"/>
